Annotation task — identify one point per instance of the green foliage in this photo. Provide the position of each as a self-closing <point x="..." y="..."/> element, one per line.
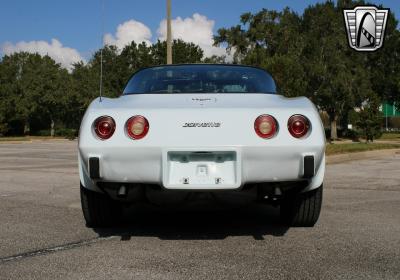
<point x="309" y="55"/>
<point x="390" y="135"/>
<point x="31" y="86"/>
<point x="370" y="119"/>
<point x="68" y="133"/>
<point x="332" y="149"/>
<point x="3" y="128"/>
<point x="36" y="94"/>
<point x="182" y="52"/>
<point x="215" y="59"/>
<point x="353" y="135"/>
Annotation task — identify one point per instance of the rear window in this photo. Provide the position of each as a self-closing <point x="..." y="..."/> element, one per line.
<point x="200" y="79"/>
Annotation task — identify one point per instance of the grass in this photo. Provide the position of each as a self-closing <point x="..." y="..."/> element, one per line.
<point x="7" y="139"/>
<point x="27" y="138"/>
<point x="390" y="136"/>
<point x="332" y="149"/>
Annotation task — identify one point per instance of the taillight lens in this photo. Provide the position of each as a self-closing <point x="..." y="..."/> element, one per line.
<point x="265" y="126"/>
<point x="298" y="126"/>
<point x="137" y="127"/>
<point x="104" y="127"/>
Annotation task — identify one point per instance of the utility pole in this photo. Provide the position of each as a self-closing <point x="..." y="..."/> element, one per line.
<point x="169" y="35"/>
<point x="386" y="116"/>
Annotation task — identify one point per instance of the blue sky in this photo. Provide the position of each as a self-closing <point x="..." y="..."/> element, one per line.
<point x="76" y="24"/>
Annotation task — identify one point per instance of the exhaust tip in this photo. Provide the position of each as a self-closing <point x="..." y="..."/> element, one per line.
<point x="122" y="191"/>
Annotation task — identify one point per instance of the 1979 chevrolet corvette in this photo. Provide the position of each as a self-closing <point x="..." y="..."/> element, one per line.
<point x="181" y="130"/>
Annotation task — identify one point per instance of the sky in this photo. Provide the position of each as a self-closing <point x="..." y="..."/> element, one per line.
<point x="71" y="30"/>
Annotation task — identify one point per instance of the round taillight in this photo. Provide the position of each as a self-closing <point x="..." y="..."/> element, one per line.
<point x="137" y="127"/>
<point x="298" y="126"/>
<point x="265" y="126"/>
<point x="104" y="127"/>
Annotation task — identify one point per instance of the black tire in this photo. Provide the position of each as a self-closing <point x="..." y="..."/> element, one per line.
<point x="302" y="209"/>
<point x="98" y="209"/>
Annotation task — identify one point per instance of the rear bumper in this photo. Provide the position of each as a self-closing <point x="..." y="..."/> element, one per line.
<point x="252" y="165"/>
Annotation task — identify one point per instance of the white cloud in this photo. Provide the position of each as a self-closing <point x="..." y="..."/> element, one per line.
<point x="197" y="29"/>
<point x="127" y="32"/>
<point x="63" y="55"/>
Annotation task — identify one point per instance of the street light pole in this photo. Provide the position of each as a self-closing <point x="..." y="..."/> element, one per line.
<point x="386" y="116"/>
<point x="169" y="35"/>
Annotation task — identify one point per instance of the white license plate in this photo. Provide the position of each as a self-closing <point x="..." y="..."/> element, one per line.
<point x="201" y="168"/>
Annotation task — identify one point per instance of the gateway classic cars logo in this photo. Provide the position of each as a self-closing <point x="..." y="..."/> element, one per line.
<point x="365" y="26"/>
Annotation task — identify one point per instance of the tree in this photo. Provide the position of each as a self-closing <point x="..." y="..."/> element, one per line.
<point x="42" y="84"/>
<point x="182" y="52"/>
<point x="53" y="90"/>
<point x="309" y="55"/>
<point x="331" y="66"/>
<point x="370" y="118"/>
<point x="135" y="56"/>
<point x="384" y="64"/>
<point x="25" y="86"/>
<point x="339" y="77"/>
<point x="216" y="59"/>
<point x="271" y="40"/>
<point x="32" y="87"/>
<point x="113" y="71"/>
<point x="7" y="71"/>
<point x="84" y="87"/>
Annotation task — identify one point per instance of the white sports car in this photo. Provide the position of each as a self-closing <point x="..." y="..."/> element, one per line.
<point x="178" y="131"/>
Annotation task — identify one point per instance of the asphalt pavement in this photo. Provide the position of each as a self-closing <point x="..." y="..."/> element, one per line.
<point x="43" y="234"/>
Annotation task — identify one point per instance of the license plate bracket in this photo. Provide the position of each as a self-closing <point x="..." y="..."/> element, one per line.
<point x="201" y="169"/>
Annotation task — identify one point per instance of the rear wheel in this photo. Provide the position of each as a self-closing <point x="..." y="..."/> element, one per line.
<point x="302" y="209"/>
<point x="98" y="209"/>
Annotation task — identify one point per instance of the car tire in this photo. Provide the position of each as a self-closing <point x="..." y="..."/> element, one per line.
<point x="98" y="209"/>
<point x="302" y="209"/>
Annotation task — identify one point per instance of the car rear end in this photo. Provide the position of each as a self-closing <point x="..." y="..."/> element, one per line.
<point x="202" y="147"/>
<point x="190" y="142"/>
